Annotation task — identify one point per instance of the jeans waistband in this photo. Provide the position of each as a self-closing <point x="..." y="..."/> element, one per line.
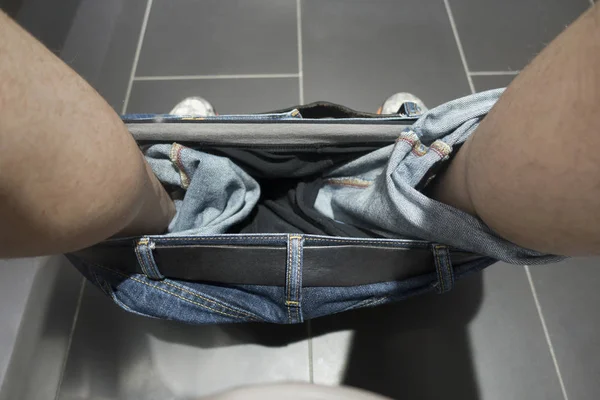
<point x="264" y="259"/>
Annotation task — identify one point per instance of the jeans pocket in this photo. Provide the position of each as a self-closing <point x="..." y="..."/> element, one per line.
<point x="166" y="299"/>
<point x="370" y="302"/>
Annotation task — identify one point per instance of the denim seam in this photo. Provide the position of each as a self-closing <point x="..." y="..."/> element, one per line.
<point x="175" y="156"/>
<point x="151" y="266"/>
<point x="439" y="153"/>
<point x="375" y="302"/>
<point x="298" y="276"/>
<point x="216" y="303"/>
<point x="449" y="268"/>
<point x="288" y="280"/>
<point x="141" y="260"/>
<point x="241" y="316"/>
<point x="146" y="260"/>
<point x="438" y="268"/>
<point x="419" y="149"/>
<point x="293" y="268"/>
<point x="188" y="300"/>
<point x="199" y="239"/>
<point x="349" y="181"/>
<point x="366" y="303"/>
<point x="444" y="268"/>
<point x="406" y="140"/>
<point x="113" y="296"/>
<point x="372" y="241"/>
<point x="349" y="240"/>
<point x="224" y="238"/>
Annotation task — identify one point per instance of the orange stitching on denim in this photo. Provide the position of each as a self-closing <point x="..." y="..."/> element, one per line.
<point x="298" y="272"/>
<point x="141" y="260"/>
<point x="409" y="137"/>
<point x="200" y="238"/>
<point x="292" y="303"/>
<point x="174" y="294"/>
<point x="183" y="298"/>
<point x="422" y="243"/>
<point x="419" y="150"/>
<point x="372" y="242"/>
<point x="406" y="140"/>
<point x="439" y="153"/>
<point x="119" y="302"/>
<point x="288" y="272"/>
<point x="175" y="156"/>
<point x="378" y="242"/>
<point x="353" y="182"/>
<point x="298" y="253"/>
<point x="216" y="303"/>
<point x="443" y="147"/>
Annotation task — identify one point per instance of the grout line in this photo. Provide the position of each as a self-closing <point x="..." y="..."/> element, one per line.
<point x="300" y="61"/>
<point x="70" y="341"/>
<point x="491" y="73"/>
<point x="459" y="45"/>
<point x="546" y="333"/>
<point x="136" y="57"/>
<point x="311" y="371"/>
<point x="193" y="77"/>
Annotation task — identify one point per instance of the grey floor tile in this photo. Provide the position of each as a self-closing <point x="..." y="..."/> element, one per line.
<point x="120" y="356"/>
<point x="360" y="52"/>
<point x="48" y="21"/>
<point x="102" y="43"/>
<point x="189" y="37"/>
<point x="228" y="96"/>
<point x="484" y="340"/>
<point x="506" y="35"/>
<point x="51" y="288"/>
<point x="569" y="298"/>
<point x="488" y="82"/>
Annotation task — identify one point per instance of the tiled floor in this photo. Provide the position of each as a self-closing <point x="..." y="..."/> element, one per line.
<point x="485" y="340"/>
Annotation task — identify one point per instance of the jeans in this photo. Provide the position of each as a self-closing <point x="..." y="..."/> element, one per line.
<point x="379" y="192"/>
<point x="218" y="193"/>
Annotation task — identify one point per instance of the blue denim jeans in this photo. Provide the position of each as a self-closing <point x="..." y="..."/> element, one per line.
<point x="379" y="192"/>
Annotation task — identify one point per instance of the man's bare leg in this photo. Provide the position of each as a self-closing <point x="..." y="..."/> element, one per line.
<point x="70" y="173"/>
<point x="531" y="171"/>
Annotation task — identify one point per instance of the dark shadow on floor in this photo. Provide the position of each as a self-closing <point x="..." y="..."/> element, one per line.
<point x="416" y="349"/>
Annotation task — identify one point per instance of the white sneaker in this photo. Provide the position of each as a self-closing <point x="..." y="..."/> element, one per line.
<point x="194" y="106"/>
<point x="394" y="103"/>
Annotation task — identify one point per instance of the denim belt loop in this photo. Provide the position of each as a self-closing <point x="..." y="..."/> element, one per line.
<point x="143" y="252"/>
<point x="443" y="267"/>
<point x="293" y="278"/>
